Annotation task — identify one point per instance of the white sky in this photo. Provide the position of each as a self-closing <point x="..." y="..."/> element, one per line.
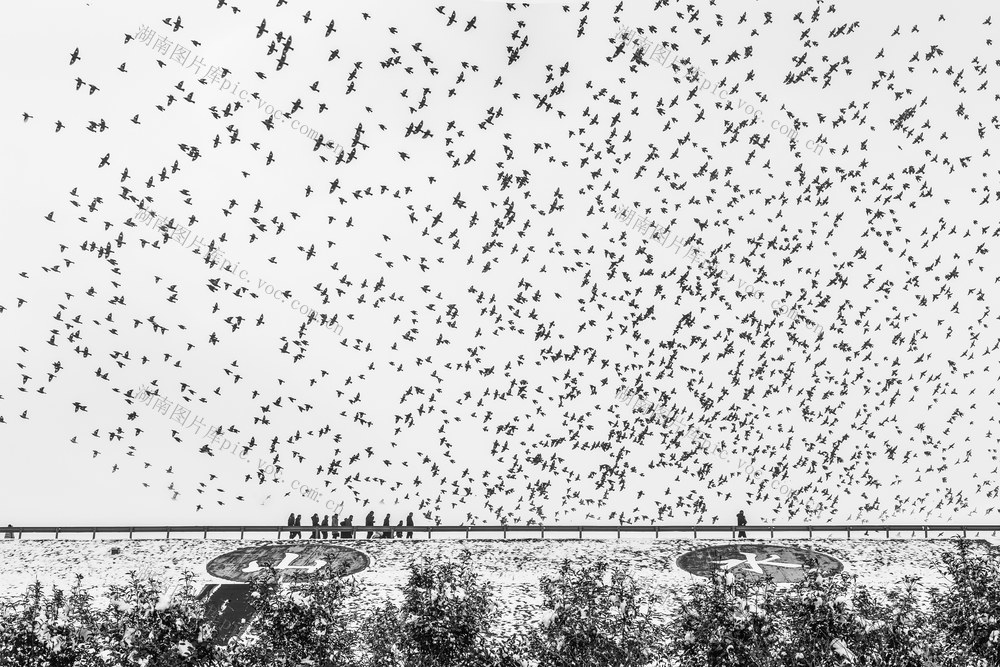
<point x="873" y="284"/>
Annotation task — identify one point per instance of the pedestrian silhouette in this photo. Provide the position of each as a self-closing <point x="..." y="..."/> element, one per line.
<point x="386" y="534"/>
<point x="315" y="522"/>
<point x="370" y="521"/>
<point x="409" y="522"/>
<point x="741" y="520"/>
<point x="9" y="535"/>
<point x="335" y="522"/>
<point x="298" y="522"/>
<point x="347" y="534"/>
<point x="326" y="522"/>
<point x="399" y="533"/>
<point x="291" y="522"/>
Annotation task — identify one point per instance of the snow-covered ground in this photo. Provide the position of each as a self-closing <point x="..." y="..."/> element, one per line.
<point x="514" y="567"/>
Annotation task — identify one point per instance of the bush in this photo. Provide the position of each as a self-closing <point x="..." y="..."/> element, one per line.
<point x="897" y="633"/>
<point x="727" y="622"/>
<point x="302" y="622"/>
<point x="380" y="638"/>
<point x="967" y="613"/>
<point x="830" y="621"/>
<point x="594" y="616"/>
<point x="140" y="626"/>
<point x="41" y="630"/>
<point x="822" y="621"/>
<point x="444" y="621"/>
<point x="136" y="628"/>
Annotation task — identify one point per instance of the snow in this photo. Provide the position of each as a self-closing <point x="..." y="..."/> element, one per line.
<point x="514" y="567"/>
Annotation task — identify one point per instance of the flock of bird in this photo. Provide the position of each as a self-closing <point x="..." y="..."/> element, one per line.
<point x="493" y="303"/>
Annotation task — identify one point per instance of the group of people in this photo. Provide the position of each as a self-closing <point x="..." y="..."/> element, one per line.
<point x="320" y="529"/>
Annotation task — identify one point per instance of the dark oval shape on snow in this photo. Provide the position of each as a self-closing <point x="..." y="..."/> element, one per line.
<point x="785" y="564"/>
<point x="242" y="564"/>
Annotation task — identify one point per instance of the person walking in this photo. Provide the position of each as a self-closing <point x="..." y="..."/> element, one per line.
<point x="291" y="523"/>
<point x="350" y="522"/>
<point x="399" y="533"/>
<point x="9" y="535"/>
<point x="335" y="522"/>
<point x="298" y="523"/>
<point x="409" y="522"/>
<point x="370" y="521"/>
<point x="386" y="534"/>
<point x="315" y="522"/>
<point x="741" y="520"/>
<point x="326" y="522"/>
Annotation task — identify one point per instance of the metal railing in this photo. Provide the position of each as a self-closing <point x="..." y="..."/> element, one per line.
<point x="654" y="530"/>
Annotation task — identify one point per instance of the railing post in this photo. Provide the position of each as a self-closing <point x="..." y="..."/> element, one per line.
<point x="505" y="531"/>
<point x="656" y="534"/>
<point x="810" y="532"/>
<point x="887" y="532"/>
<point x="204" y="535"/>
<point x="848" y="532"/>
<point x="696" y="533"/>
<point x="428" y="532"/>
<point x="57" y="533"/>
<point x="772" y="532"/>
<point x="93" y="535"/>
<point x="168" y="533"/>
<point x="964" y="532"/>
<point x="466" y="533"/>
<point x="130" y="532"/>
<point x="581" y="532"/>
<point x="925" y="532"/>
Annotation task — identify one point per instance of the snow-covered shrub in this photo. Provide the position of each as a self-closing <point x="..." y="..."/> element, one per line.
<point x="444" y="621"/>
<point x="301" y="622"/>
<point x="595" y="616"/>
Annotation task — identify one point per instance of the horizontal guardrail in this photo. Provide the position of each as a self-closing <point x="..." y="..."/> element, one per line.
<point x="429" y="531"/>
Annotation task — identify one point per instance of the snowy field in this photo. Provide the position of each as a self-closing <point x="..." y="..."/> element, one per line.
<point x="514" y="567"/>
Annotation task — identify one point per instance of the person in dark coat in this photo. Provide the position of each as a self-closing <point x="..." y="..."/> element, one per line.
<point x="298" y="523"/>
<point x="335" y="522"/>
<point x="291" y="522"/>
<point x="349" y="521"/>
<point x="9" y="535"/>
<point x="315" y="522"/>
<point x="386" y="534"/>
<point x="399" y="533"/>
<point x="409" y="522"/>
<point x="370" y="521"/>
<point x="741" y="520"/>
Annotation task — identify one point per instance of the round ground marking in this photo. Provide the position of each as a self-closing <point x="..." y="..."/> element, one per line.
<point x="243" y="564"/>
<point x="785" y="564"/>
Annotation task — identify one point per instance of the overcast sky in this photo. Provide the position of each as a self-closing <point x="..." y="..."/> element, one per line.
<point x="489" y="304"/>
